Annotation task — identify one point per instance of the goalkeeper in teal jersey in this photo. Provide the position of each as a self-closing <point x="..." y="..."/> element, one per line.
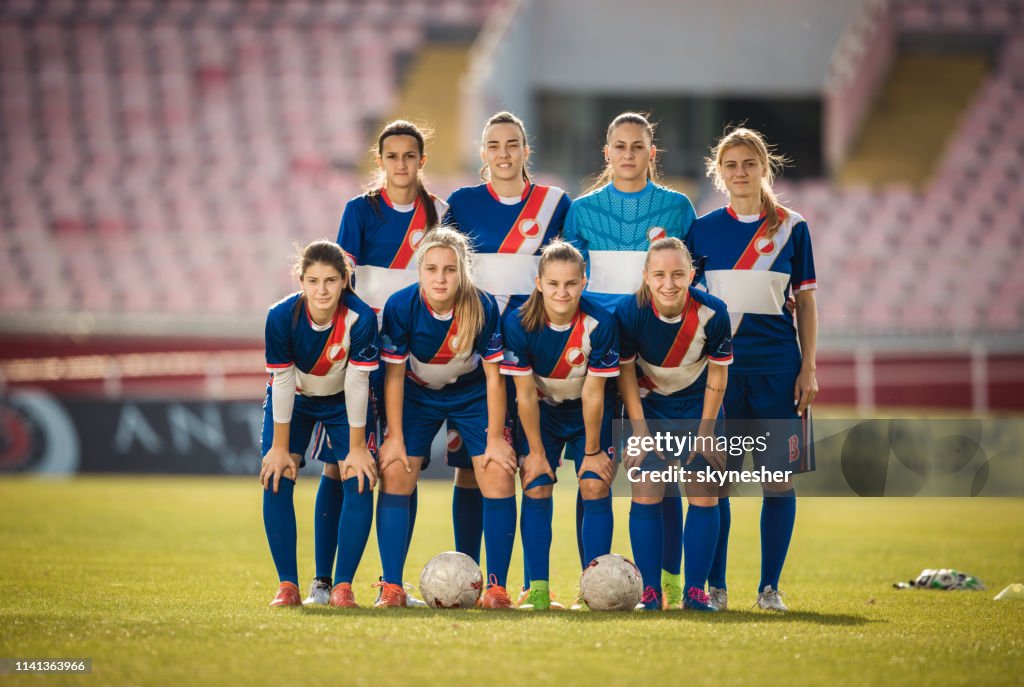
<point x="613" y="225"/>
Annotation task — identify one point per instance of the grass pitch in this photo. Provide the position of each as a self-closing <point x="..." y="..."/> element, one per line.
<point x="165" y="582"/>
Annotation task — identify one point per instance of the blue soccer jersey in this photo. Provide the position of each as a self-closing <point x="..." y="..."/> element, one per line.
<point x="672" y="354"/>
<point x="613" y="230"/>
<point x="561" y="357"/>
<point x="381" y="242"/>
<point x="321" y="354"/>
<point x="415" y="334"/>
<point x="507" y="234"/>
<point x="754" y="276"/>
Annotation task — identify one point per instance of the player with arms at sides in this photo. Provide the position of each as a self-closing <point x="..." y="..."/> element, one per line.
<point x="613" y="225"/>
<point x="670" y="332"/>
<point x="379" y="232"/>
<point x="757" y="253"/>
<point x="508" y="220"/>
<point x="560" y="348"/>
<point x="321" y="346"/>
<point x="441" y="341"/>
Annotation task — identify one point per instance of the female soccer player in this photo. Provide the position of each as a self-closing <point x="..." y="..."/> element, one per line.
<point x="379" y="232"/>
<point x="560" y="348"/>
<point x="671" y="331"/>
<point x="508" y="219"/>
<point x="757" y="253"/>
<point x="442" y="344"/>
<point x="321" y="347"/>
<point x="613" y="225"/>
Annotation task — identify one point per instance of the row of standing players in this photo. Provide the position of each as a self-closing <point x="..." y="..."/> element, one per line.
<point x="626" y="235"/>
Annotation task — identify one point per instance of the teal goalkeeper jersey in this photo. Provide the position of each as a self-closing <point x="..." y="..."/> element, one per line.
<point x="613" y="230"/>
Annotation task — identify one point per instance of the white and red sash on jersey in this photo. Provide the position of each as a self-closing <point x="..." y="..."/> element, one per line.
<point x="327" y="376"/>
<point x="685" y="359"/>
<point x="512" y="269"/>
<point x="374" y="283"/>
<point x="566" y="379"/>
<point x="751" y="286"/>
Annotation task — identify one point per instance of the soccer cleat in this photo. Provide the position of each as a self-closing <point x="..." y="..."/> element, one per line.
<point x="537" y="600"/>
<point x="287" y="595"/>
<point x="697" y="600"/>
<point x="495" y="597"/>
<point x="719" y="598"/>
<point x="770" y="600"/>
<point x="672" y="591"/>
<point x="650" y="601"/>
<point x="391" y="596"/>
<point x="410" y="600"/>
<point x="579" y="604"/>
<point x="342" y="596"/>
<point x="319" y="594"/>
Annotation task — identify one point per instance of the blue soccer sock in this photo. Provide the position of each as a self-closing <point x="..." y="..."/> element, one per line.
<point x="716" y="576"/>
<point x="329" y="498"/>
<point x="598" y="524"/>
<point x="672" y="530"/>
<point x="279" y="523"/>
<point x="536" y="528"/>
<point x="392" y="534"/>
<point x="579" y="529"/>
<point x="354" y="529"/>
<point x="645" y="534"/>
<point x="468" y="520"/>
<point x="499" y="536"/>
<point x="414" y="505"/>
<point x="778" y="514"/>
<point x="700" y="537"/>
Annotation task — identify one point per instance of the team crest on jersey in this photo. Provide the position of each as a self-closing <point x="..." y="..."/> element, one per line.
<point x="764" y="246"/>
<point x="529" y="228"/>
<point x="575" y="357"/>
<point x="655" y="233"/>
<point x="454" y="440"/>
<point x="336" y="352"/>
<point x="415" y="237"/>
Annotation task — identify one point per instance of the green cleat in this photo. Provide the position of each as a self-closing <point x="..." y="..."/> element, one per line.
<point x="672" y="591"/>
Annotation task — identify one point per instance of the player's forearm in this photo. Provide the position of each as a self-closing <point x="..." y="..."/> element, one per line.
<point x="394" y="398"/>
<point x="807" y="328"/>
<point x="282" y="435"/>
<point x="593" y="408"/>
<point x="356" y="438"/>
<point x="714" y="392"/>
<point x="529" y="413"/>
<point x="630" y="391"/>
<point x="496" y="402"/>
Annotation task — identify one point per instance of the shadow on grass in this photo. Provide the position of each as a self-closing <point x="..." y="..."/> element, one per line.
<point x="480" y="616"/>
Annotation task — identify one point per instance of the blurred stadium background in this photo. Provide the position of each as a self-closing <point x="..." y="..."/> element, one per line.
<point x="158" y="159"/>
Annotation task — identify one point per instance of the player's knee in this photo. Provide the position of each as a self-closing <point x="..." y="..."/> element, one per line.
<point x="542" y="492"/>
<point x="332" y="471"/>
<point x="466" y="479"/>
<point x="496" y="484"/>
<point x="395" y="480"/>
<point x="592" y="489"/>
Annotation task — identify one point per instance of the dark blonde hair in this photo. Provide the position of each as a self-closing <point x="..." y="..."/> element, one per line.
<point x="402" y="127"/>
<point x="469" y="311"/>
<point x="771" y="161"/>
<point x="531" y="313"/>
<point x="607" y="174"/>
<point x="504" y="118"/>
<point x="643" y="294"/>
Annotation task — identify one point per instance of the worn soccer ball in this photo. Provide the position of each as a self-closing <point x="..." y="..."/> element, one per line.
<point x="611" y="583"/>
<point x="451" y="580"/>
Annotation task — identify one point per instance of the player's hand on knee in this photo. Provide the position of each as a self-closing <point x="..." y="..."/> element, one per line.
<point x="600" y="464"/>
<point x="805" y="390"/>
<point x="392" y="451"/>
<point x="499" y="452"/>
<point x="708" y="442"/>
<point x="360" y="464"/>
<point x="534" y="465"/>
<point x="277" y="463"/>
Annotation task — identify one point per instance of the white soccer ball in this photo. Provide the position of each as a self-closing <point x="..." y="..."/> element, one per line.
<point x="611" y="583"/>
<point x="451" y="580"/>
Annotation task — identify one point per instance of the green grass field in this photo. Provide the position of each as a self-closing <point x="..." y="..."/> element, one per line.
<point x="165" y="581"/>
